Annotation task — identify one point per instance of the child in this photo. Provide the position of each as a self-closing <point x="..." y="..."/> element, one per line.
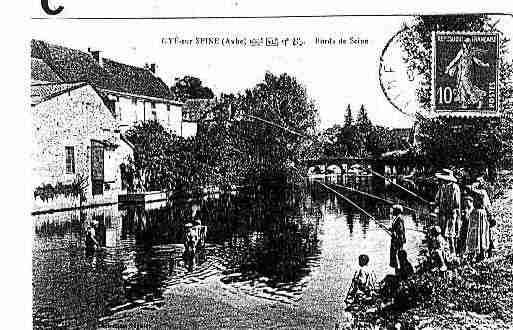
<point x="405" y="268"/>
<point x="468" y="207"/>
<point x="363" y="284"/>
<point x="437" y="247"/>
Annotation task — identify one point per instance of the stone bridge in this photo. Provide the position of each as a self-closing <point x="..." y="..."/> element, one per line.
<point x="340" y="165"/>
<point x="337" y="165"/>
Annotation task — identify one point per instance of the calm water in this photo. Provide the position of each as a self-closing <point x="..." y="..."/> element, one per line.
<point x="289" y="246"/>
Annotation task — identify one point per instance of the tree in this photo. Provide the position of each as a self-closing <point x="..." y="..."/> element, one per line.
<point x="278" y="121"/>
<point x="162" y="160"/>
<point x="348" y="118"/>
<point x="363" y="129"/>
<point x="189" y="87"/>
<point x="332" y="142"/>
<point x="454" y="142"/>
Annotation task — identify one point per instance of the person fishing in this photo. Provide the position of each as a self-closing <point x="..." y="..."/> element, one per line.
<point x="191" y="239"/>
<point x="397" y="235"/>
<point x="91" y="243"/>
<point x="363" y="284"/>
<point x="448" y="203"/>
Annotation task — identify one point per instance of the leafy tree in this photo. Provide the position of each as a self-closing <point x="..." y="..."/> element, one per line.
<point x="332" y="142"/>
<point x="278" y="120"/>
<point x="162" y="160"/>
<point x="189" y="87"/>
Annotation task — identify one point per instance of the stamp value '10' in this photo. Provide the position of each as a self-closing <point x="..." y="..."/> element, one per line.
<point x="465" y="72"/>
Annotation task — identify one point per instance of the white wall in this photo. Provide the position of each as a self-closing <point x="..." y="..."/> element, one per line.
<point x="189" y="129"/>
<point x="128" y="114"/>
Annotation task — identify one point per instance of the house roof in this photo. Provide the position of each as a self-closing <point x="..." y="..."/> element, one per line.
<point x="74" y="65"/>
<point x="40" y="92"/>
<point x="41" y="72"/>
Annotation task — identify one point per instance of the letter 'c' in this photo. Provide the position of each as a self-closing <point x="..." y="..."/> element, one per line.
<point x="48" y="10"/>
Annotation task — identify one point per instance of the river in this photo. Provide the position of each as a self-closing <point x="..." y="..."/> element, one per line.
<point x="292" y="246"/>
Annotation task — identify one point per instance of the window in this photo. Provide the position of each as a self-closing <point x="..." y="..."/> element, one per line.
<point x="134" y="100"/>
<point x="168" y="107"/>
<point x="70" y="160"/>
<point x="153" y="105"/>
<point x="154" y="115"/>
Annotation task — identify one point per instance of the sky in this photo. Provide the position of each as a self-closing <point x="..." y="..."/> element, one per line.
<point x="334" y="75"/>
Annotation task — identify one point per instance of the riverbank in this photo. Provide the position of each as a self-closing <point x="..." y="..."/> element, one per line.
<point x="477" y="296"/>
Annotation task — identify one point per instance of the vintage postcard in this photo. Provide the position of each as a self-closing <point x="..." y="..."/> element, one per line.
<point x="254" y="172"/>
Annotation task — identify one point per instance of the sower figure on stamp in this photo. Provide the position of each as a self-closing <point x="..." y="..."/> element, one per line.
<point x="448" y="199"/>
<point x="467" y="93"/>
<point x="398" y="236"/>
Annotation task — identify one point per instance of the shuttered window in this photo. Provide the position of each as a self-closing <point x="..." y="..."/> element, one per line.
<point x="70" y="160"/>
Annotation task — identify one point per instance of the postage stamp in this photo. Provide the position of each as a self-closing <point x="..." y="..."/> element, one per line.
<point x="464" y="71"/>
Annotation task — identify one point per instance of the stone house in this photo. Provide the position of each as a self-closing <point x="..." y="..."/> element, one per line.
<point x="75" y="137"/>
<point x="134" y="94"/>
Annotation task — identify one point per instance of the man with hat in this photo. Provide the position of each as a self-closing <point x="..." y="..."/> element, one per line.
<point x="448" y="202"/>
<point x="398" y="235"/>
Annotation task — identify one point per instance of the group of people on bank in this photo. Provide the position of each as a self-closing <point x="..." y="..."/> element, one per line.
<point x="465" y="220"/>
<point x="463" y="229"/>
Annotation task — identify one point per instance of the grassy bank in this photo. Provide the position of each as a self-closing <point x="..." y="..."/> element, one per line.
<point x="472" y="296"/>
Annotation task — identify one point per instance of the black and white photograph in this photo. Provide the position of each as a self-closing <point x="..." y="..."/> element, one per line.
<point x="270" y="172"/>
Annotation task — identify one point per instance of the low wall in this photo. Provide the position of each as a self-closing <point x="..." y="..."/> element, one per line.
<point x="63" y="203"/>
<point x="143" y="197"/>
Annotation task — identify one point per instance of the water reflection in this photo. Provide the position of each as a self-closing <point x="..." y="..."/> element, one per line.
<point x="268" y="245"/>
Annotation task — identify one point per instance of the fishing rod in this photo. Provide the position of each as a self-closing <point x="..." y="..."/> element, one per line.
<point x="338" y="193"/>
<point x="279" y="126"/>
<point x="367" y="214"/>
<point x="356" y="206"/>
<point x="399" y="186"/>
<point x="372" y="196"/>
<point x="312" y="138"/>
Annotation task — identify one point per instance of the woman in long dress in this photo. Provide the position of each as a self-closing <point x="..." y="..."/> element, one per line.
<point x="478" y="234"/>
<point x="467" y="92"/>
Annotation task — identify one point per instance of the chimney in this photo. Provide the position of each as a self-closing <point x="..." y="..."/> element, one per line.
<point x="97" y="55"/>
<point x="152" y="67"/>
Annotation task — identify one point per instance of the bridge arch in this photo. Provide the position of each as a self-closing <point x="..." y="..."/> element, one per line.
<point x="334" y="169"/>
<point x="313" y="170"/>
